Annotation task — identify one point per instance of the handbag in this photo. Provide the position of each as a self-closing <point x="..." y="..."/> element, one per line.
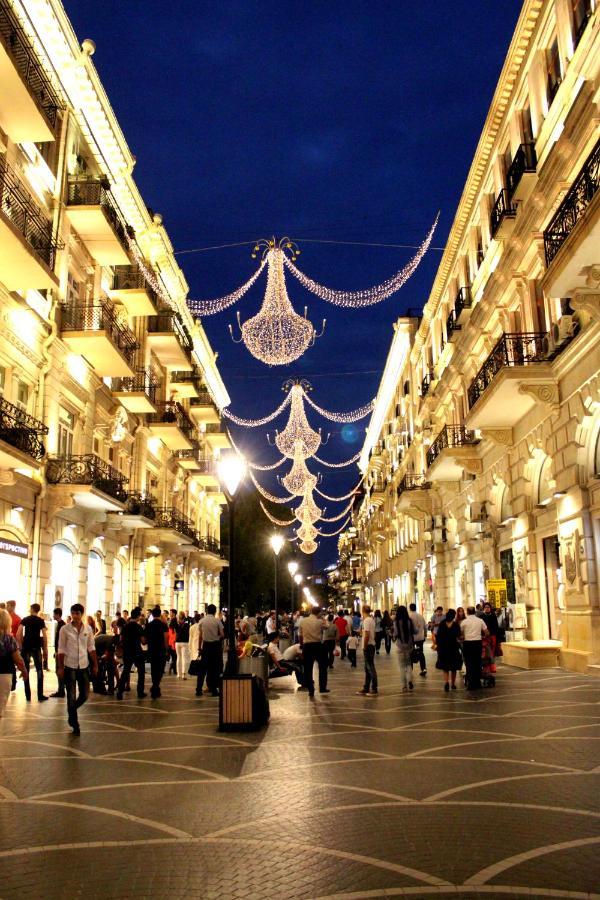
<point x="195" y="668"/>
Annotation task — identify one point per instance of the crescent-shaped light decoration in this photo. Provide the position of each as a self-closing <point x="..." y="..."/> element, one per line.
<point x="368" y="296"/>
<point x="255" y="423"/>
<point x="266" y="494"/>
<point x="341" y="515"/>
<point x="272" y="518"/>
<point x="308" y="507"/>
<point x="308" y="547"/>
<point x="334" y="533"/>
<point x="341" y="465"/>
<point x="345" y="418"/>
<point x="339" y="499"/>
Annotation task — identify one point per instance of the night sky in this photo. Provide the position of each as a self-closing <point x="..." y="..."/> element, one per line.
<point x="331" y="121"/>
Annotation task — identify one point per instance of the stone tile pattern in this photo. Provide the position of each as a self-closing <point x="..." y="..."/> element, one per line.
<point x="424" y="794"/>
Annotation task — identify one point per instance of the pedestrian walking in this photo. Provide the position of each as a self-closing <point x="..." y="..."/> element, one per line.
<point x="368" y="642"/>
<point x="32" y="638"/>
<point x="15" y="622"/>
<point x="378" y="630"/>
<point x="403" y="638"/>
<point x="434" y="624"/>
<point x="76" y="651"/>
<point x="419" y="626"/>
<point x="311" y="640"/>
<point x="352" y="647"/>
<point x="132" y="635"/>
<point x="341" y="625"/>
<point x="211" y="635"/>
<point x="448" y="650"/>
<point x="182" y="641"/>
<point x="473" y="629"/>
<point x="388" y="630"/>
<point x="330" y="634"/>
<point x="59" y="623"/>
<point x="157" y="641"/>
<point x="10" y="659"/>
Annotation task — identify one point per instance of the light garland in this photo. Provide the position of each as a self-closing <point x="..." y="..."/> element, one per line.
<point x="343" y="513"/>
<point x="297" y="429"/>
<point x="341" y="465"/>
<point x="149" y="273"/>
<point x="272" y="518"/>
<point x="211" y="307"/>
<point x="254" y="423"/>
<point x="277" y="335"/>
<point x="299" y="476"/>
<point x="345" y="418"/>
<point x="266" y="494"/>
<point x="347" y="496"/>
<point x="307" y="531"/>
<point x="334" y="533"/>
<point x="368" y="296"/>
<point x="308" y="547"/>
<point x="252" y="465"/>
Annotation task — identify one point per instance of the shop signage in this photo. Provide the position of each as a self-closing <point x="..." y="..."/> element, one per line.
<point x="496" y="591"/>
<point x="14" y="548"/>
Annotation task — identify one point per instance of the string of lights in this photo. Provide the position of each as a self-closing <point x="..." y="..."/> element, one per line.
<point x="345" y="418"/>
<point x="272" y="518"/>
<point x="266" y="494"/>
<point x="343" y="497"/>
<point x="340" y="465"/>
<point x="297" y="429"/>
<point x="343" y="513"/>
<point x="367" y="296"/>
<point x="270" y="468"/>
<point x="255" y="423"/>
<point x="334" y="533"/>
<point x="211" y="307"/>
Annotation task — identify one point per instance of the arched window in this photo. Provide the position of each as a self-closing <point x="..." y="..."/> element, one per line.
<point x="545" y="489"/>
<point x="62" y="567"/>
<point x="95" y="585"/>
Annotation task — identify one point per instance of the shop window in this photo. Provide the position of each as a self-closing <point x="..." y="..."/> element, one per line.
<point x="553" y="71"/>
<point x="62" y="572"/>
<point x="66" y="431"/>
<point x="95" y="585"/>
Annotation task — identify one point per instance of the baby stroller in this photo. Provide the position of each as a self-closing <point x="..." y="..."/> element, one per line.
<point x="488" y="661"/>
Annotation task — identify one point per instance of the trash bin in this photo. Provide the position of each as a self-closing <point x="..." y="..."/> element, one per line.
<point x="243" y="703"/>
<point x="255" y="665"/>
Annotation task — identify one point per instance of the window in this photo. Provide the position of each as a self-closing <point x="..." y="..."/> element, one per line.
<point x="2" y="379"/>
<point x="21" y="394"/>
<point x="95" y="585"/>
<point x="479" y="246"/>
<point x="527" y="125"/>
<point x="581" y="10"/>
<point x="66" y="431"/>
<point x="553" y="71"/>
<point x="62" y="575"/>
<point x="73" y="290"/>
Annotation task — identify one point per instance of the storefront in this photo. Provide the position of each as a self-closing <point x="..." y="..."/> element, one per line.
<point x="14" y="572"/>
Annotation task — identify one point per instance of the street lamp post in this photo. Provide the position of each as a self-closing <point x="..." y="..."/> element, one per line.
<point x="293" y="567"/>
<point x="277" y="542"/>
<point x="297" y="580"/>
<point x="231" y="469"/>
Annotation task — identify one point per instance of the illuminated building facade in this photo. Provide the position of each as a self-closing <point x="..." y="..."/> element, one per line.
<point x="482" y="459"/>
<point x="110" y="396"/>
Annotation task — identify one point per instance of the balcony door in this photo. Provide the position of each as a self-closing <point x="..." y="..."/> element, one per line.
<point x="553" y="586"/>
<point x="95" y="586"/>
<point x="66" y="432"/>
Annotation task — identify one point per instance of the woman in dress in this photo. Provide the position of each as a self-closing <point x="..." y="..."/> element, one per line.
<point x="448" y="649"/>
<point x="403" y="636"/>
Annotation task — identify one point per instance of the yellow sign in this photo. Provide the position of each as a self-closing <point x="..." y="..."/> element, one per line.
<point x="496" y="591"/>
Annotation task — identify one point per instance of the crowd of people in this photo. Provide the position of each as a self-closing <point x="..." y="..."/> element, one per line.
<point x="182" y="644"/>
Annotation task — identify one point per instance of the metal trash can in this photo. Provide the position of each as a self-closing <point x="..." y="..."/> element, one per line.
<point x="255" y="665"/>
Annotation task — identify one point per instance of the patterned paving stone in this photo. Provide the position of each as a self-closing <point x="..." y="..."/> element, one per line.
<point x="423" y="794"/>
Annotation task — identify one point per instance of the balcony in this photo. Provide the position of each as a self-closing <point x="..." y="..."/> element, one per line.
<point x="209" y="546"/>
<point x="95" y="332"/>
<point x="462" y="302"/>
<point x="414" y="496"/>
<point x="21" y="438"/>
<point x="411" y="482"/>
<point x="502" y="216"/>
<point x="452" y="326"/>
<point x="216" y="437"/>
<point x="90" y="481"/>
<point x="204" y="469"/>
<point x="426" y="385"/>
<point x="139" y="512"/>
<point x="203" y="409"/>
<point x="448" y="453"/>
<point x="515" y="376"/>
<point x="170" y="341"/>
<point x="521" y="174"/>
<point x="187" y="384"/>
<point x="29" y="110"/>
<point x="171" y="424"/>
<point x="137" y="393"/>
<point x="378" y="492"/>
<point x="27" y="245"/>
<point x="173" y="527"/>
<point x="93" y="214"/>
<point x="132" y="290"/>
<point x="572" y="238"/>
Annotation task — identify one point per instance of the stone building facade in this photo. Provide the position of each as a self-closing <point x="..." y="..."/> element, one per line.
<point x="482" y="457"/>
<point x="110" y="395"/>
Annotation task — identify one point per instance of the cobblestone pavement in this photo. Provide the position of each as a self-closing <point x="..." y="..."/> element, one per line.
<point x="419" y="795"/>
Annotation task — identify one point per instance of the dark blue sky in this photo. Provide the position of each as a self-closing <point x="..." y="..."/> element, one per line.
<point x="351" y="121"/>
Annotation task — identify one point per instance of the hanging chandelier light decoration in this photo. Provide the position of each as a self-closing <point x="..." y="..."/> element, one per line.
<point x="368" y="296"/>
<point x="277" y="335"/>
<point x="308" y="547"/>
<point x="298" y="431"/>
<point x="299" y="476"/>
<point x="308" y="508"/>
<point x="307" y="531"/>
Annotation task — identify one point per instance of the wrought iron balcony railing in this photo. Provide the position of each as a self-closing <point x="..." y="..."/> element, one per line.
<point x="21" y="430"/>
<point x="18" y="205"/>
<point x="127" y="278"/>
<point x="167" y="321"/>
<point x="172" y="412"/>
<point x="450" y="436"/>
<point x="85" y="190"/>
<point x="20" y="50"/>
<point x="209" y="544"/>
<point x="525" y="161"/>
<point x="412" y="482"/>
<point x="219" y="427"/>
<point x="452" y="325"/>
<point x="203" y="464"/>
<point x="502" y="209"/>
<point x="573" y="207"/>
<point x="169" y="517"/>
<point x="138" y="504"/>
<point x="425" y="385"/>
<point x="100" y="316"/>
<point x="511" y="350"/>
<point x="143" y="382"/>
<point x="87" y="469"/>
<point x="379" y="486"/>
<point x="194" y="376"/>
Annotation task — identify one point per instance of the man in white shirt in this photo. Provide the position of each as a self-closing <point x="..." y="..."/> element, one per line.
<point x="76" y="648"/>
<point x="368" y="642"/>
<point x="211" y="646"/>
<point x="271" y="626"/>
<point x="279" y="665"/>
<point x="419" y="628"/>
<point x="311" y="641"/>
<point x="472" y="630"/>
